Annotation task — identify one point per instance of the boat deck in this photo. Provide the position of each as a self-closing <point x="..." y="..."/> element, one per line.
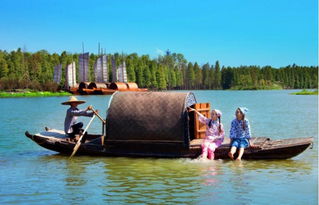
<point x="259" y="141"/>
<point x="53" y="133"/>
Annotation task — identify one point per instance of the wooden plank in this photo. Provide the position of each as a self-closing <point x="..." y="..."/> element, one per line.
<point x="200" y="128"/>
<point x="202" y="109"/>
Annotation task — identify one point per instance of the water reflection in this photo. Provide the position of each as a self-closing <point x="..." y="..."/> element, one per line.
<point x="150" y="180"/>
<point x="174" y="181"/>
<point x="289" y="165"/>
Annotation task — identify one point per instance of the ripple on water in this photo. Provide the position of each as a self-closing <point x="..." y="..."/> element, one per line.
<point x="31" y="175"/>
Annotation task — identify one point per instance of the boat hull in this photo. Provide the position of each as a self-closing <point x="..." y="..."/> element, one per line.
<point x="267" y="149"/>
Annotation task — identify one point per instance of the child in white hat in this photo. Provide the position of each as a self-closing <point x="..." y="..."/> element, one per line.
<point x="239" y="133"/>
<point x="214" y="133"/>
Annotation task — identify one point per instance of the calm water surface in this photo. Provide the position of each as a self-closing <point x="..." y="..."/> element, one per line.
<point x="30" y="174"/>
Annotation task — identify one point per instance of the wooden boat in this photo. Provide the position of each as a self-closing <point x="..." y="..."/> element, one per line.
<point x="108" y="91"/>
<point x="157" y="124"/>
<point x="74" y="91"/>
<point x="86" y="91"/>
<point x="56" y="140"/>
<point x="93" y="88"/>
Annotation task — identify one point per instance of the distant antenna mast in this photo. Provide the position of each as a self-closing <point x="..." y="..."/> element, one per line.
<point x="99" y="49"/>
<point x="83" y="59"/>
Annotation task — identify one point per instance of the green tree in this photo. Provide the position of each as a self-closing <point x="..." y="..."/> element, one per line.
<point x="140" y="77"/>
<point x="206" y="76"/>
<point x="217" y="76"/>
<point x="227" y="78"/>
<point x="21" y="69"/>
<point x="161" y="80"/>
<point x="147" y="76"/>
<point x="198" y="76"/>
<point x="190" y="76"/>
<point x="4" y="70"/>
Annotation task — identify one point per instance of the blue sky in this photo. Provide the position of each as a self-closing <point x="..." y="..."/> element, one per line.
<point x="235" y="32"/>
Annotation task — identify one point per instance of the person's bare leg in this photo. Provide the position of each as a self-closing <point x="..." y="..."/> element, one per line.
<point x="204" y="151"/>
<point x="211" y="150"/>
<point x="232" y="152"/>
<point x="240" y="153"/>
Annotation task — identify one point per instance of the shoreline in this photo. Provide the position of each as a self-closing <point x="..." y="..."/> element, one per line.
<point x="29" y="93"/>
<point x="305" y="92"/>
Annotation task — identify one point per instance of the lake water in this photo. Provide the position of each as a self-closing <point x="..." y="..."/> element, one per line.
<point x="30" y="174"/>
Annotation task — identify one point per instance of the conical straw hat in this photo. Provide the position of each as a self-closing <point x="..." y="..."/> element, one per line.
<point x="73" y="99"/>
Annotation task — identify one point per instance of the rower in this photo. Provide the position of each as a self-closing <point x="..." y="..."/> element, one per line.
<point x="71" y="126"/>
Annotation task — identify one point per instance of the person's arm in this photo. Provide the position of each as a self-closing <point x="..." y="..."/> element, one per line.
<point x="232" y="133"/>
<point x="222" y="133"/>
<point x="201" y="117"/>
<point x="81" y="113"/>
<point x="248" y="133"/>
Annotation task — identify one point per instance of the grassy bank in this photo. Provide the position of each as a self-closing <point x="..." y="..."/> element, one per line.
<point x="306" y="92"/>
<point x="258" y="87"/>
<point x="30" y="93"/>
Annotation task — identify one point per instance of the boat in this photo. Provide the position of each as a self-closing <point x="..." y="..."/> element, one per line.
<point x="101" y="86"/>
<point x="94" y="88"/>
<point x="55" y="140"/>
<point x="158" y="124"/>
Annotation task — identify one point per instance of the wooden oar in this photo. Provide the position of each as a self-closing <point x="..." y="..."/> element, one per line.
<point x="104" y="122"/>
<point x="97" y="114"/>
<point x="78" y="144"/>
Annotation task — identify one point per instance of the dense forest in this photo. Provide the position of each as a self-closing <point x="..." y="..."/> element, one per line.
<point x="19" y="69"/>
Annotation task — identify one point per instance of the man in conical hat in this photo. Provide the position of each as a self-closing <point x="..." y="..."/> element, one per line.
<point x="71" y="126"/>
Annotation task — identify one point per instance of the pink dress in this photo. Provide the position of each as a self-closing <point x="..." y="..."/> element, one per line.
<point x="213" y="138"/>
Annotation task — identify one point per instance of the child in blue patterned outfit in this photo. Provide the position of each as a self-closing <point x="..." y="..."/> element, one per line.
<point x="239" y="133"/>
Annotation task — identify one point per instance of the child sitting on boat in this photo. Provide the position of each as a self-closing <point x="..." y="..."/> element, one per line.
<point x="71" y="126"/>
<point x="239" y="133"/>
<point x="214" y="132"/>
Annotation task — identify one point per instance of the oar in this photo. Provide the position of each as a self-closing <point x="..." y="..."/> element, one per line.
<point x="104" y="122"/>
<point x="78" y="144"/>
<point x="97" y="114"/>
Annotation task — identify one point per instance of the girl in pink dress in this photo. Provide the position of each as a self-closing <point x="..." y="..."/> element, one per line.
<point x="214" y="132"/>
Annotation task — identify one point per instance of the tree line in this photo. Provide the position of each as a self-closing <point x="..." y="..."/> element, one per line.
<point x="20" y="70"/>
